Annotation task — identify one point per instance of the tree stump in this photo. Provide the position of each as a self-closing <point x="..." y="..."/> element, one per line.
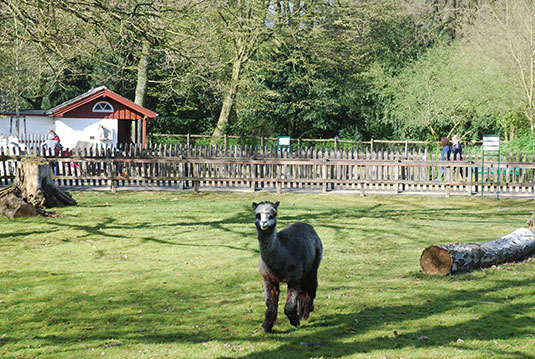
<point x="32" y="191"/>
<point x="459" y="257"/>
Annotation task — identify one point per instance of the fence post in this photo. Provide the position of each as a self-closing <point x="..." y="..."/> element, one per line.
<point x="252" y="183"/>
<point x="324" y="177"/>
<point x="396" y="177"/>
<point x="112" y="168"/>
<point x="448" y="177"/>
<point x="196" y="182"/>
<point x="468" y="177"/>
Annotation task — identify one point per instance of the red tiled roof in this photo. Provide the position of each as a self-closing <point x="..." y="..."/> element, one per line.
<point x="96" y="93"/>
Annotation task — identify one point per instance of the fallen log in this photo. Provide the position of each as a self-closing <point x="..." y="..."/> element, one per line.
<point x="32" y="191"/>
<point x="461" y="257"/>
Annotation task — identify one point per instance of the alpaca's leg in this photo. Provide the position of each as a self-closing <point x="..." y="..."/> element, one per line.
<point x="303" y="304"/>
<point x="310" y="284"/>
<point x="271" y="293"/>
<point x="290" y="309"/>
<point x="312" y="294"/>
<point x="306" y="298"/>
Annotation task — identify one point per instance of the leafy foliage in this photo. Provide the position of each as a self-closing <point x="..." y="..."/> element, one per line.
<point x="292" y="97"/>
<point x="398" y="69"/>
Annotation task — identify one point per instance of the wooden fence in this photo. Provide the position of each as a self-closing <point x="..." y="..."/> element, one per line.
<point x="247" y="168"/>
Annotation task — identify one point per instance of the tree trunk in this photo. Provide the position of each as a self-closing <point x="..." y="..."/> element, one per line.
<point x="459" y="257"/>
<point x="228" y="101"/>
<point x="32" y="191"/>
<point x="13" y="206"/>
<point x="141" y="88"/>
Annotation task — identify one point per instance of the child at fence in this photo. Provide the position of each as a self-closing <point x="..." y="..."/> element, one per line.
<point x="51" y="147"/>
<point x="456" y="148"/>
<point x="446" y="153"/>
<point x="56" y="137"/>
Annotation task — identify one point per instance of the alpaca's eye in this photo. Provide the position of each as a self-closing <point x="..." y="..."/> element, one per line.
<point x="258" y="215"/>
<point x="270" y="216"/>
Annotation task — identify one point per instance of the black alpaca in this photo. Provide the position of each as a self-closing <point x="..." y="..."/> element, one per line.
<point x="292" y="256"/>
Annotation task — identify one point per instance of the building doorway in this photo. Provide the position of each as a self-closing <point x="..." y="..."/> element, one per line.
<point x="124" y="131"/>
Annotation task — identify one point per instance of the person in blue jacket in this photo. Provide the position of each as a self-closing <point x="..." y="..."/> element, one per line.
<point x="446" y="153"/>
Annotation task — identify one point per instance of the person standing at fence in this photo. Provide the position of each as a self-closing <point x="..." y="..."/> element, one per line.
<point x="456" y="148"/>
<point x="56" y="137"/>
<point x="446" y="153"/>
<point x="51" y="144"/>
<point x="51" y="147"/>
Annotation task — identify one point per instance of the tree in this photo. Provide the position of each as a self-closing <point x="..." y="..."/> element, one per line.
<point x="32" y="67"/>
<point x="438" y="96"/>
<point x="502" y="39"/>
<point x="242" y="25"/>
<point x="102" y="40"/>
<point x="308" y="81"/>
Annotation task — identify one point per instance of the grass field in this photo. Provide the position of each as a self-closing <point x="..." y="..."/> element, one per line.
<point x="163" y="275"/>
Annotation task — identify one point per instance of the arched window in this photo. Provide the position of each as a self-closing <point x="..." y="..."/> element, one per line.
<point x="103" y="106"/>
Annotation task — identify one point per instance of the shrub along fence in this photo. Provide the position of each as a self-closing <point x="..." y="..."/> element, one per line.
<point x="306" y="169"/>
<point x="226" y="140"/>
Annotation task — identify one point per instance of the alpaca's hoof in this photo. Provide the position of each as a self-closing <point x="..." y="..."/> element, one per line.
<point x="294" y="321"/>
<point x="268" y="327"/>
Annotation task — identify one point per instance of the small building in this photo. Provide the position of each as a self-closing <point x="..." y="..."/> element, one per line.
<point x="99" y="116"/>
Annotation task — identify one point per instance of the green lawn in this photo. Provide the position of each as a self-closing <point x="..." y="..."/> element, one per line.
<point x="164" y="275"/>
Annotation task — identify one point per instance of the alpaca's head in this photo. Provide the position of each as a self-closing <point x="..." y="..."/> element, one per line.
<point x="265" y="215"/>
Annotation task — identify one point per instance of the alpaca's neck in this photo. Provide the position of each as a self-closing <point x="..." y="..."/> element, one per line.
<point x="269" y="244"/>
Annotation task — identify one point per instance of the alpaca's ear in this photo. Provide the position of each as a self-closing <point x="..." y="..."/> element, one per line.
<point x="277" y="204"/>
<point x="255" y="205"/>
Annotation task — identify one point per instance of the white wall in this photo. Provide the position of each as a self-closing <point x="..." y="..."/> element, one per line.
<point x="72" y="130"/>
<point x="34" y="125"/>
<point x="69" y="130"/>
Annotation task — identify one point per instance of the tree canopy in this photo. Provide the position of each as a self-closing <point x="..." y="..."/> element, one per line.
<point x="391" y="69"/>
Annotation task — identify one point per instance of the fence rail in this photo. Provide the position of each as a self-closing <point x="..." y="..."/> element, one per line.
<point x="306" y="169"/>
<point x="373" y="144"/>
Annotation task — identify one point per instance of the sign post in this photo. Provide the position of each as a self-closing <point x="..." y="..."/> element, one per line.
<point x="491" y="143"/>
<point x="283" y="141"/>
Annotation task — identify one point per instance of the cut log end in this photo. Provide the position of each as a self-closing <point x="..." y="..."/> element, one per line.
<point x="436" y="260"/>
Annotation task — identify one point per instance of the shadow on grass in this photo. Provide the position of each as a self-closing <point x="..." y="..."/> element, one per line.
<point x="334" y="336"/>
<point x="161" y="241"/>
<point x="159" y="315"/>
<point x="321" y="218"/>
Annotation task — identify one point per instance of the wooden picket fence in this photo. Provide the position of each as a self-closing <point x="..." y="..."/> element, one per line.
<point x="305" y="169"/>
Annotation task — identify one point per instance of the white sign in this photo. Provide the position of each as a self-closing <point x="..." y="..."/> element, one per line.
<point x="284" y="141"/>
<point x="491" y="142"/>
